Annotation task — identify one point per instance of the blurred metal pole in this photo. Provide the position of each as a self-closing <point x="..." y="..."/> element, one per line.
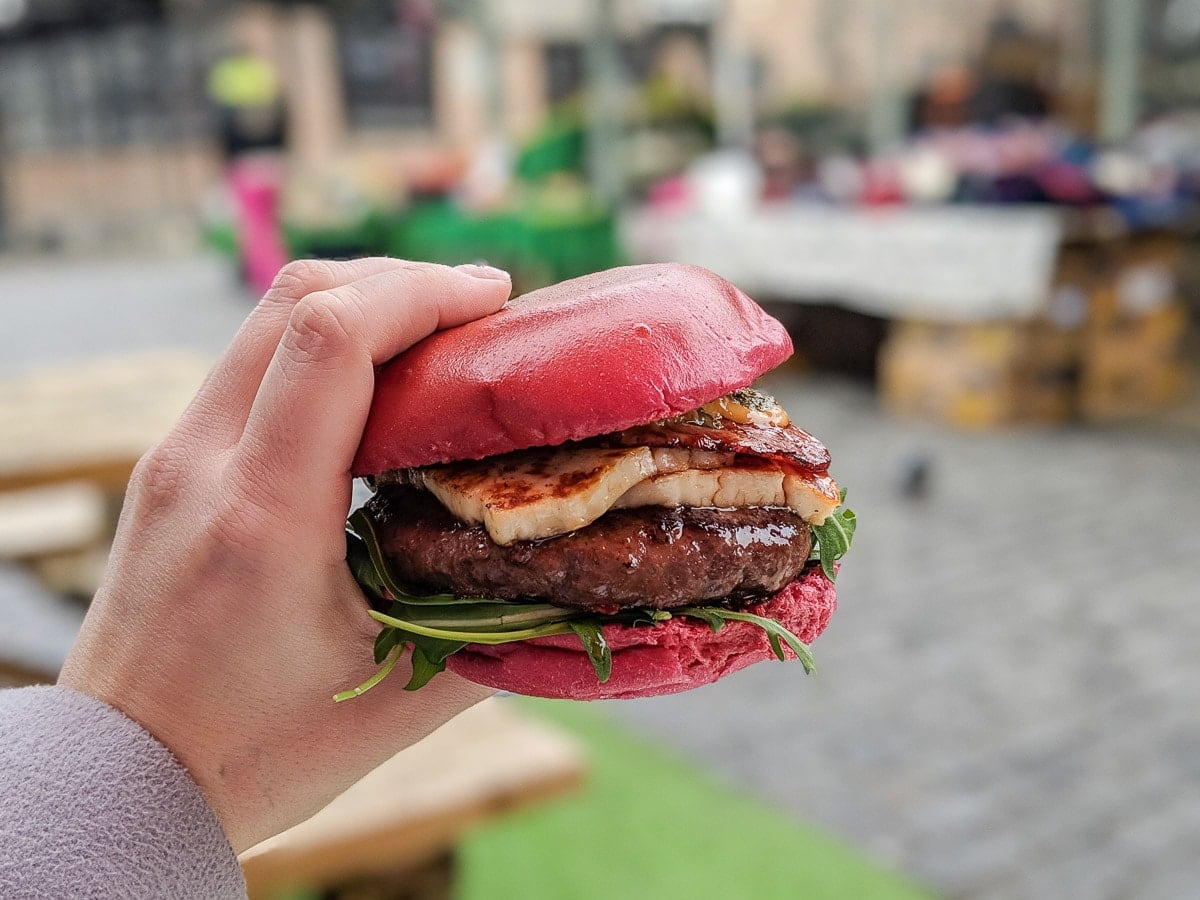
<point x="1120" y="85"/>
<point x="603" y="97"/>
<point x="491" y="50"/>
<point x="831" y="31"/>
<point x="733" y="83"/>
<point x="885" y="115"/>
<point x="3" y="182"/>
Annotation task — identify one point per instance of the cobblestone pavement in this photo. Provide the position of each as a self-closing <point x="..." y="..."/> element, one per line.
<point x="1007" y="698"/>
<point x="1007" y="702"/>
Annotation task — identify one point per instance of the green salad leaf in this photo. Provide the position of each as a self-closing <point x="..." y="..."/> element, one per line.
<point x="385" y="670"/>
<point x="385" y="643"/>
<point x="364" y="570"/>
<point x="832" y="538"/>
<point x="436" y="626"/>
<point x="717" y="616"/>
<point x="591" y="636"/>
<point x="365" y="555"/>
<point x="426" y="664"/>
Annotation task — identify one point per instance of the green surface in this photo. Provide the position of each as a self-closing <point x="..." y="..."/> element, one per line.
<point x="538" y="243"/>
<point x="648" y="825"/>
<point x="538" y="246"/>
<point x="559" y="146"/>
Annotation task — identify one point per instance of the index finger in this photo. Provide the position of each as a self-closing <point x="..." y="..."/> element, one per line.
<point x="218" y="412"/>
<point x="306" y="422"/>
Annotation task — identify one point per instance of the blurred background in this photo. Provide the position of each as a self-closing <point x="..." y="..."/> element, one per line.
<point x="977" y="218"/>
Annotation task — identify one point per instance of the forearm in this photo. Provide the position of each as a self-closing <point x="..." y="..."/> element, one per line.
<point x="93" y="806"/>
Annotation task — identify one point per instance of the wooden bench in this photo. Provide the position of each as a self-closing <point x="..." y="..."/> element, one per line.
<point x="70" y="435"/>
<point x="400" y="824"/>
<point x="91" y="421"/>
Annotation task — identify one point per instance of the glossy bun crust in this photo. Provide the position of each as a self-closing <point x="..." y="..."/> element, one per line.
<point x="585" y="357"/>
<point x="647" y="661"/>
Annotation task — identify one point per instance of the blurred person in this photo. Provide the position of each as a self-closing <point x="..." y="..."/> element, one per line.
<point x="1010" y="75"/>
<point x="1004" y="84"/>
<point x="194" y="716"/>
<point x="247" y="94"/>
<point x="944" y="101"/>
<point x="787" y="165"/>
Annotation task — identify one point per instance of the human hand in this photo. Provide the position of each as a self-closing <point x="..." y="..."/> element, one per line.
<point x="228" y="618"/>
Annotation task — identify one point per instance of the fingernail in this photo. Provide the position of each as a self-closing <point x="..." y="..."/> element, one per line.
<point x="489" y="272"/>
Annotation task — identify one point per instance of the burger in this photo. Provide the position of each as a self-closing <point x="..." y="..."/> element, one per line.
<point x="584" y="496"/>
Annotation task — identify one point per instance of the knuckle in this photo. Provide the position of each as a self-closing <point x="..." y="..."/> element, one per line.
<point x="160" y="477"/>
<point x="321" y="326"/>
<point x="300" y="277"/>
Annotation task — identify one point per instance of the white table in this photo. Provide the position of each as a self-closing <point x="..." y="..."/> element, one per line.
<point x="952" y="263"/>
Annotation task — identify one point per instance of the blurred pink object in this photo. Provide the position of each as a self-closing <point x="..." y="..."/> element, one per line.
<point x="1067" y="183"/>
<point x="881" y="183"/>
<point x="254" y="184"/>
<point x="670" y="195"/>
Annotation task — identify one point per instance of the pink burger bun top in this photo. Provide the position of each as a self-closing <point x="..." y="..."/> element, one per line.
<point x="585" y="357"/>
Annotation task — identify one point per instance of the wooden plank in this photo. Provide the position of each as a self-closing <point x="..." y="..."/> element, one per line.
<point x="15" y="675"/>
<point x="93" y="420"/>
<point x="53" y="519"/>
<point x="413" y="808"/>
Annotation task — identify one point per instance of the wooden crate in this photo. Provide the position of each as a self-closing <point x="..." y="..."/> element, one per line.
<point x="979" y="375"/>
<point x="1128" y="379"/>
<point x="1131" y="365"/>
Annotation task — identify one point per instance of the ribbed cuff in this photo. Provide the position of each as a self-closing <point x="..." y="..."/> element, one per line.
<point x="94" y="807"/>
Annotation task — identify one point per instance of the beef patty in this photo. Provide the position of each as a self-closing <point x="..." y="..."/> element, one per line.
<point x="649" y="556"/>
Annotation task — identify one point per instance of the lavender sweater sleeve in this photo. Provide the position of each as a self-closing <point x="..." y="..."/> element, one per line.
<point x="92" y="806"/>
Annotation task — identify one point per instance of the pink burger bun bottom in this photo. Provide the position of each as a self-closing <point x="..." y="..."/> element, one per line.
<point x="672" y="656"/>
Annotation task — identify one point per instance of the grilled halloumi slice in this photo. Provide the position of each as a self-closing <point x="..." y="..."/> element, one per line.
<point x="812" y="499"/>
<point x="538" y="493"/>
